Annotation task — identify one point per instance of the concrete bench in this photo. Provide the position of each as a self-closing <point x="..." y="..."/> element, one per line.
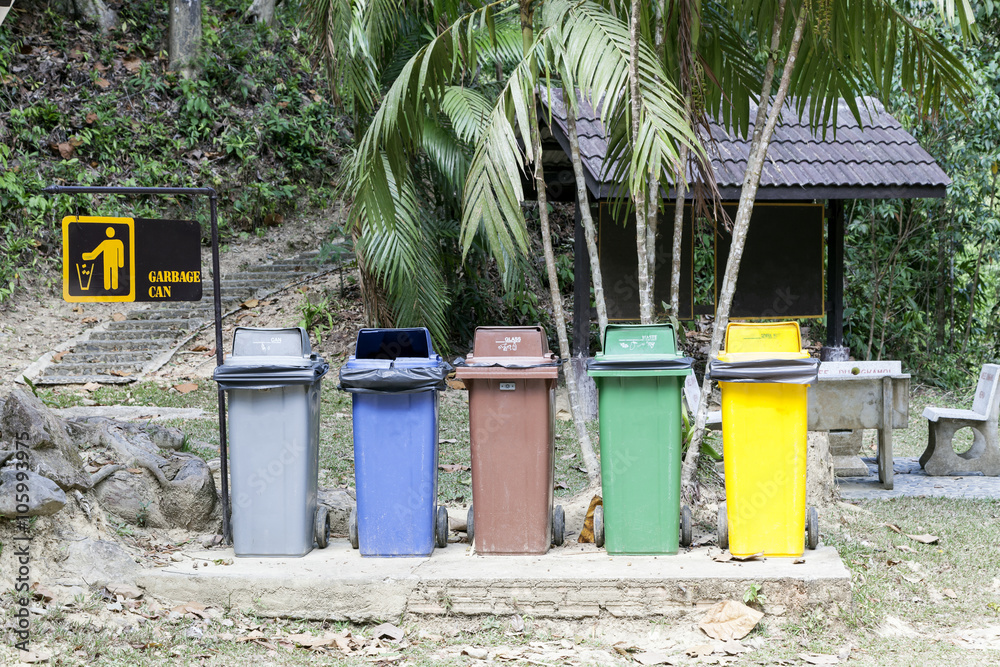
<point x="984" y="456"/>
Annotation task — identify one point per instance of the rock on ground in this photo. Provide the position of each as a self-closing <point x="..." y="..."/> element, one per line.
<point x="41" y="495"/>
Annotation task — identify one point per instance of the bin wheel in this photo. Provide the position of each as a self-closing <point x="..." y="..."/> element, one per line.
<point x="441" y="527"/>
<point x="352" y="529"/>
<point x="321" y="526"/>
<point x="723" y="527"/>
<point x="685" y="526"/>
<point x="812" y="527"/>
<point x="558" y="525"/>
<point x="470" y="525"/>
<point x="599" y="526"/>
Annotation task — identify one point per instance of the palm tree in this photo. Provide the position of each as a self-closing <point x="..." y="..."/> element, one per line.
<point x="579" y="44"/>
<point x="816" y="52"/>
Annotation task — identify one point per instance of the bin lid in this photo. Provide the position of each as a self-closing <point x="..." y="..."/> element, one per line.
<point x="763" y="337"/>
<point x="509" y="352"/>
<point x="263" y="358"/>
<point x="639" y="350"/>
<point x="394" y="361"/>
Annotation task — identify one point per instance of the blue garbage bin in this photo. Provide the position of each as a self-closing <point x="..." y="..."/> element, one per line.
<point x="394" y="377"/>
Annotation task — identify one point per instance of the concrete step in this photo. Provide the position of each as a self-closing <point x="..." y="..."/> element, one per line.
<point x="570" y="582"/>
<point x="122" y="345"/>
<point x="48" y="380"/>
<point x="130" y="334"/>
<point x="91" y="357"/>
<point x="175" y="325"/>
<point x="103" y="368"/>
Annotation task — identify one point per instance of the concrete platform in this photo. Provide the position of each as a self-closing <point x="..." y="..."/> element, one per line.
<point x="577" y="581"/>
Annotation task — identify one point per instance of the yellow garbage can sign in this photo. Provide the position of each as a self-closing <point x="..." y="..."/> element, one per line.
<point x="98" y="259"/>
<point x="131" y="259"/>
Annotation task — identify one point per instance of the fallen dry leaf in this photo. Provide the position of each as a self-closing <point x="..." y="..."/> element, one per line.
<point x="729" y="619"/>
<point x="126" y="591"/>
<point x="89" y="320"/>
<point x="455" y="384"/>
<point x="185" y="388"/>
<point x="91" y="118"/>
<point x="652" y="658"/>
<point x="91" y="386"/>
<point x="949" y="593"/>
<point x="102" y="83"/>
<point x="894" y="528"/>
<point x="133" y="65"/>
<point x="908" y="549"/>
<point x="819" y="658"/>
<point x="700" y="650"/>
<point x="57" y="357"/>
<point x="587" y="533"/>
<point x="65" y="150"/>
<point x="118" y="317"/>
<point x="250" y="303"/>
<point x="453" y="467"/>
<point x="200" y="348"/>
<point x="34" y="657"/>
<point x="924" y="539"/>
<point x="42" y="593"/>
<point x="475" y="653"/>
<point x="121" y="374"/>
<point x="722" y="557"/>
<point x="388" y="631"/>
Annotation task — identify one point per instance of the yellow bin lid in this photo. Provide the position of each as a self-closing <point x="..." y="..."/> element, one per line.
<point x="769" y="337"/>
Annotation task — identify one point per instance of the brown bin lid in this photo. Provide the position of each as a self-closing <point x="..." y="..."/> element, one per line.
<point x="509" y="352"/>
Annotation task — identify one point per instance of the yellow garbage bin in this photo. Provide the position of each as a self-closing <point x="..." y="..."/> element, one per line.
<point x="765" y="375"/>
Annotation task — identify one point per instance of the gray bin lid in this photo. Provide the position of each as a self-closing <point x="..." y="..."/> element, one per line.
<point x="263" y="358"/>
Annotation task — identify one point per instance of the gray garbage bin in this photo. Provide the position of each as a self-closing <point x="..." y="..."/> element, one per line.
<point x="273" y="381"/>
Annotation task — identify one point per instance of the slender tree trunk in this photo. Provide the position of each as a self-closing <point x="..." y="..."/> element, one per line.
<point x="185" y="35"/>
<point x="262" y="11"/>
<point x="645" y="291"/>
<point x="559" y="318"/>
<point x="680" y="185"/>
<point x="763" y="129"/>
<point x="940" y="306"/>
<point x="972" y="296"/>
<point x="98" y="12"/>
<point x="583" y="201"/>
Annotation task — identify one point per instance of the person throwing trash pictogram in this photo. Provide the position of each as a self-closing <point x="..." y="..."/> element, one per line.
<point x="112" y="254"/>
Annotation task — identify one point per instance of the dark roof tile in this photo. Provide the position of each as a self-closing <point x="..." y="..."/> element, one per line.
<point x="877" y="154"/>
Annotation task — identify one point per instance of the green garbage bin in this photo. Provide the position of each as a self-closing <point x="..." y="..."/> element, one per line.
<point x="639" y="379"/>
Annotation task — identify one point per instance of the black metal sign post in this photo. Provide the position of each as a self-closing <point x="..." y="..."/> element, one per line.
<point x="217" y="297"/>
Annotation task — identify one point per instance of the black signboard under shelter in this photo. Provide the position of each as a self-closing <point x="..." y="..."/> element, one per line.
<point x="781" y="271"/>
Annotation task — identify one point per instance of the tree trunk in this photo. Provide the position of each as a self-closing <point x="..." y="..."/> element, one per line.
<point x="262" y="11"/>
<point x="680" y="185"/>
<point x="95" y="11"/>
<point x="559" y="318"/>
<point x="940" y="305"/>
<point x="377" y="312"/>
<point x="583" y="201"/>
<point x="185" y="35"/>
<point x="645" y="293"/>
<point x="652" y="222"/>
<point x="767" y="117"/>
<point x="972" y="297"/>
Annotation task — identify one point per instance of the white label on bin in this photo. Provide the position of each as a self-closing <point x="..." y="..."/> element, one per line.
<point x="507" y="386"/>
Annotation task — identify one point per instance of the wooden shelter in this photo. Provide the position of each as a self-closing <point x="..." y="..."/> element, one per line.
<point x="814" y="172"/>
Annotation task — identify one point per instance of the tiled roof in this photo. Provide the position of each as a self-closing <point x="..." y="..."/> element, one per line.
<point x="876" y="160"/>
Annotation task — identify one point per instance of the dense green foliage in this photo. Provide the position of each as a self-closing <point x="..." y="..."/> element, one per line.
<point x="79" y="108"/>
<point x="923" y="276"/>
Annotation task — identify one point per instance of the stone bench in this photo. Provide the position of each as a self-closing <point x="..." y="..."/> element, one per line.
<point x="983" y="457"/>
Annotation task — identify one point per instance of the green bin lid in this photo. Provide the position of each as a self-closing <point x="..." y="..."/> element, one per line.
<point x="640" y="339"/>
<point x="639" y="350"/>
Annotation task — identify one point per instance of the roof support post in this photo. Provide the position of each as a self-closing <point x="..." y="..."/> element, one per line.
<point x="834" y="349"/>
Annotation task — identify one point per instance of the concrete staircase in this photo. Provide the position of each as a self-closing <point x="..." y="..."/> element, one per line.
<point x="122" y="352"/>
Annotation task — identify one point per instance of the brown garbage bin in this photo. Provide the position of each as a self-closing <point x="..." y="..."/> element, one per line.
<point x="511" y="377"/>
